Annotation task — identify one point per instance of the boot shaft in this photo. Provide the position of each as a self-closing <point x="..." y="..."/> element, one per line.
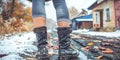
<point x="41" y="36"/>
<point x="64" y="37"/>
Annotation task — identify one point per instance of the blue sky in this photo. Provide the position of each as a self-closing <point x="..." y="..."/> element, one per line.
<point x="78" y="4"/>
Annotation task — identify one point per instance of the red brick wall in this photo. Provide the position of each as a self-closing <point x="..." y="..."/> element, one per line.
<point x="86" y="25"/>
<point x="117" y="13"/>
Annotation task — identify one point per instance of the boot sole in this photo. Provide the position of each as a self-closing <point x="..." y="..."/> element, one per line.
<point x="76" y="55"/>
<point x="44" y="58"/>
<point x="68" y="57"/>
<point x="73" y="55"/>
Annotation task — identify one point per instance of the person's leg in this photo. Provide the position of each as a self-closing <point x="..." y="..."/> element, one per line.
<point x="62" y="13"/>
<point x="39" y="22"/>
<point x="38" y="13"/>
<point x="39" y="19"/>
<point x="63" y="28"/>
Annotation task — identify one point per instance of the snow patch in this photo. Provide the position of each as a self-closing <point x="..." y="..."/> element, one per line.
<point x="17" y="44"/>
<point x="12" y="57"/>
<point x="115" y="34"/>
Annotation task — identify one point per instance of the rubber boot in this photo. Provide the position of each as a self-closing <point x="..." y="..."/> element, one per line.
<point x="41" y="35"/>
<point x="64" y="42"/>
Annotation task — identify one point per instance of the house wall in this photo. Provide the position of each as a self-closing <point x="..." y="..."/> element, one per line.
<point x="117" y="13"/>
<point x="82" y="24"/>
<point x="107" y="4"/>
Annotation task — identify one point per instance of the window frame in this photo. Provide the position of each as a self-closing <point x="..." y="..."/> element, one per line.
<point x="107" y="11"/>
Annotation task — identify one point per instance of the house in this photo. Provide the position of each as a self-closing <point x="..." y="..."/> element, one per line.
<point x="106" y="13"/>
<point x="82" y="22"/>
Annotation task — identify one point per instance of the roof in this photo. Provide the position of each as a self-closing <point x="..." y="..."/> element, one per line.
<point x="92" y="6"/>
<point x="95" y="4"/>
<point x="84" y="18"/>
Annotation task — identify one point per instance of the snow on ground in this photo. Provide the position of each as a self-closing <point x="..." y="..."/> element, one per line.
<point x="115" y="34"/>
<point x="21" y="43"/>
<point x="12" y="57"/>
<point x="17" y="44"/>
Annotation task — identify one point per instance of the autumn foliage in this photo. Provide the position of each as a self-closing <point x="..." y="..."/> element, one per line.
<point x="20" y="12"/>
<point x="19" y="20"/>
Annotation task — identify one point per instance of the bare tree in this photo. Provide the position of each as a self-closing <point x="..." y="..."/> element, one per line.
<point x="73" y="12"/>
<point x="12" y="8"/>
<point x="83" y="12"/>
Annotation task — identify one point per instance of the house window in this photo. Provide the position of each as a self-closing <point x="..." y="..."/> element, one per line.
<point x="108" y="14"/>
<point x="96" y="18"/>
<point x="0" y="10"/>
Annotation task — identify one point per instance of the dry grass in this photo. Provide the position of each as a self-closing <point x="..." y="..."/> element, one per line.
<point x="13" y="25"/>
